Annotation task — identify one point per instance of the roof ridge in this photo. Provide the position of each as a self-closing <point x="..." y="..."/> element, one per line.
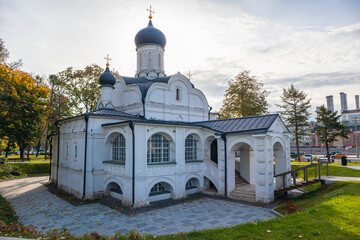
<point x="239" y="118"/>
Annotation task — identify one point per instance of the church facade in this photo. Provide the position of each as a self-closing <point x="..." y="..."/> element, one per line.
<point x="153" y="137"/>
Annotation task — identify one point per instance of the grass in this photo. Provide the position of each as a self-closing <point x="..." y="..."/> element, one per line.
<point x="333" y="171"/>
<point x="325" y="212"/>
<point x="328" y="212"/>
<point x="7" y="213"/>
<point x="33" y="158"/>
<point x="16" y="170"/>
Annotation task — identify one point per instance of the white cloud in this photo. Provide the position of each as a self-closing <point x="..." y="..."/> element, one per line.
<point x="212" y="39"/>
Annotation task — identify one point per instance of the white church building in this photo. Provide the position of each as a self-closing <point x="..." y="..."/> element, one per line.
<point x="153" y="137"/>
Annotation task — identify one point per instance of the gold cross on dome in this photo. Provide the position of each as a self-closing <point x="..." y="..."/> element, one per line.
<point x="189" y="75"/>
<point x="108" y="59"/>
<point x="150" y="12"/>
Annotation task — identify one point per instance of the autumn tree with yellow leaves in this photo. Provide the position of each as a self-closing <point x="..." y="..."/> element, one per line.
<point x="24" y="106"/>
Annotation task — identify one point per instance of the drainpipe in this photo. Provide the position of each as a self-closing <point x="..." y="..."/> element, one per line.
<point x="223" y="136"/>
<point x="58" y="153"/>
<point x="85" y="152"/>
<point x="131" y="125"/>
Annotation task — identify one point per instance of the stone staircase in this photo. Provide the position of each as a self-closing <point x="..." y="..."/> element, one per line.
<point x="243" y="190"/>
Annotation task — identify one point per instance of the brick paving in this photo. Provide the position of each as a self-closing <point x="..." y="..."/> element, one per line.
<point x="35" y="205"/>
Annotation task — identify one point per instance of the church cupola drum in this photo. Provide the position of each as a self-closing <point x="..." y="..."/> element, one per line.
<point x="107" y="81"/>
<point x="150" y="47"/>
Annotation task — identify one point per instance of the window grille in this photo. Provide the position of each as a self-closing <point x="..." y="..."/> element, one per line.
<point x="190" y="148"/>
<point x="190" y="183"/>
<point x="158" y="149"/>
<point x="157" y="188"/>
<point x="114" y="187"/>
<point x="119" y="149"/>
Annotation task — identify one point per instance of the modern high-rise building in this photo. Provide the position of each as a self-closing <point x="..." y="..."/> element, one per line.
<point x="343" y="102"/>
<point x="330" y="102"/>
<point x="357" y="101"/>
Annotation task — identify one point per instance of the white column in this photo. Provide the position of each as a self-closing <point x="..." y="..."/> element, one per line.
<point x="180" y="176"/>
<point x="221" y="165"/>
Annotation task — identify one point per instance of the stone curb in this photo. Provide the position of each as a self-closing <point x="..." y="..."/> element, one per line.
<point x="276" y="213"/>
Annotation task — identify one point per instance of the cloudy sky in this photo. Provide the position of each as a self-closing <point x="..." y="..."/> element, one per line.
<point x="313" y="44"/>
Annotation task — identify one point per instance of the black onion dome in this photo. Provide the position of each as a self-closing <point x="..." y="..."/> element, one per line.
<point x="150" y="35"/>
<point x="107" y="78"/>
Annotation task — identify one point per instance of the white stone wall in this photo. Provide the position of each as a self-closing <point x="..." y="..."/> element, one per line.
<point x="161" y="102"/>
<point x="175" y="175"/>
<point x="150" y="61"/>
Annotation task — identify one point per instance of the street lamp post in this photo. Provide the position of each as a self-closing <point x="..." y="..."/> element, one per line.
<point x="356" y="139"/>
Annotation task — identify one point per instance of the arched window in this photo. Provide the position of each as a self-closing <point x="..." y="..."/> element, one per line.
<point x="157" y="188"/>
<point x="190" y="148"/>
<point x="119" y="149"/>
<point x="158" y="149"/>
<point x="114" y="187"/>
<point x="192" y="183"/>
<point x="178" y="94"/>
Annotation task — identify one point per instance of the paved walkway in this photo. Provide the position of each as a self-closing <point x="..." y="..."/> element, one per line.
<point x="334" y="178"/>
<point x="353" y="167"/>
<point x="35" y="205"/>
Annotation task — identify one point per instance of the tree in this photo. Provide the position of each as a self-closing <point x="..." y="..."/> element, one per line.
<point x="23" y="107"/>
<point x="244" y="97"/>
<point x="81" y="87"/>
<point x="329" y="127"/>
<point x="296" y="112"/>
<point x="4" y="55"/>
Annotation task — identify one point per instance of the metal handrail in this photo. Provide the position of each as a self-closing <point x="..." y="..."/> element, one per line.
<point x="305" y="168"/>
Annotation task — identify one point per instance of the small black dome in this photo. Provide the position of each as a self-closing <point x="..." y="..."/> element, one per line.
<point x="150" y="35"/>
<point x="107" y="78"/>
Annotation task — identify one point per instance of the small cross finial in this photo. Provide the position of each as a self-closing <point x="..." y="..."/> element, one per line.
<point x="150" y="12"/>
<point x="189" y="75"/>
<point x="108" y="59"/>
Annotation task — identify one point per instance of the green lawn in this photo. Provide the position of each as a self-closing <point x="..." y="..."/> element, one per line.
<point x="333" y="171"/>
<point x="33" y="158"/>
<point x="15" y="170"/>
<point x="325" y="212"/>
<point x="7" y="213"/>
<point x="328" y="212"/>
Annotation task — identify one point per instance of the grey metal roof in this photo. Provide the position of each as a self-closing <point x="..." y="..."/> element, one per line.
<point x="255" y="124"/>
<point x="107" y="78"/>
<point x="145" y="84"/>
<point x="150" y="35"/>
<point x="241" y="125"/>
<point x="113" y="113"/>
<point x="105" y="113"/>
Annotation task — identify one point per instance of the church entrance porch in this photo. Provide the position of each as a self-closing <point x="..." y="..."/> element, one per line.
<point x="279" y="164"/>
<point x="241" y="182"/>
